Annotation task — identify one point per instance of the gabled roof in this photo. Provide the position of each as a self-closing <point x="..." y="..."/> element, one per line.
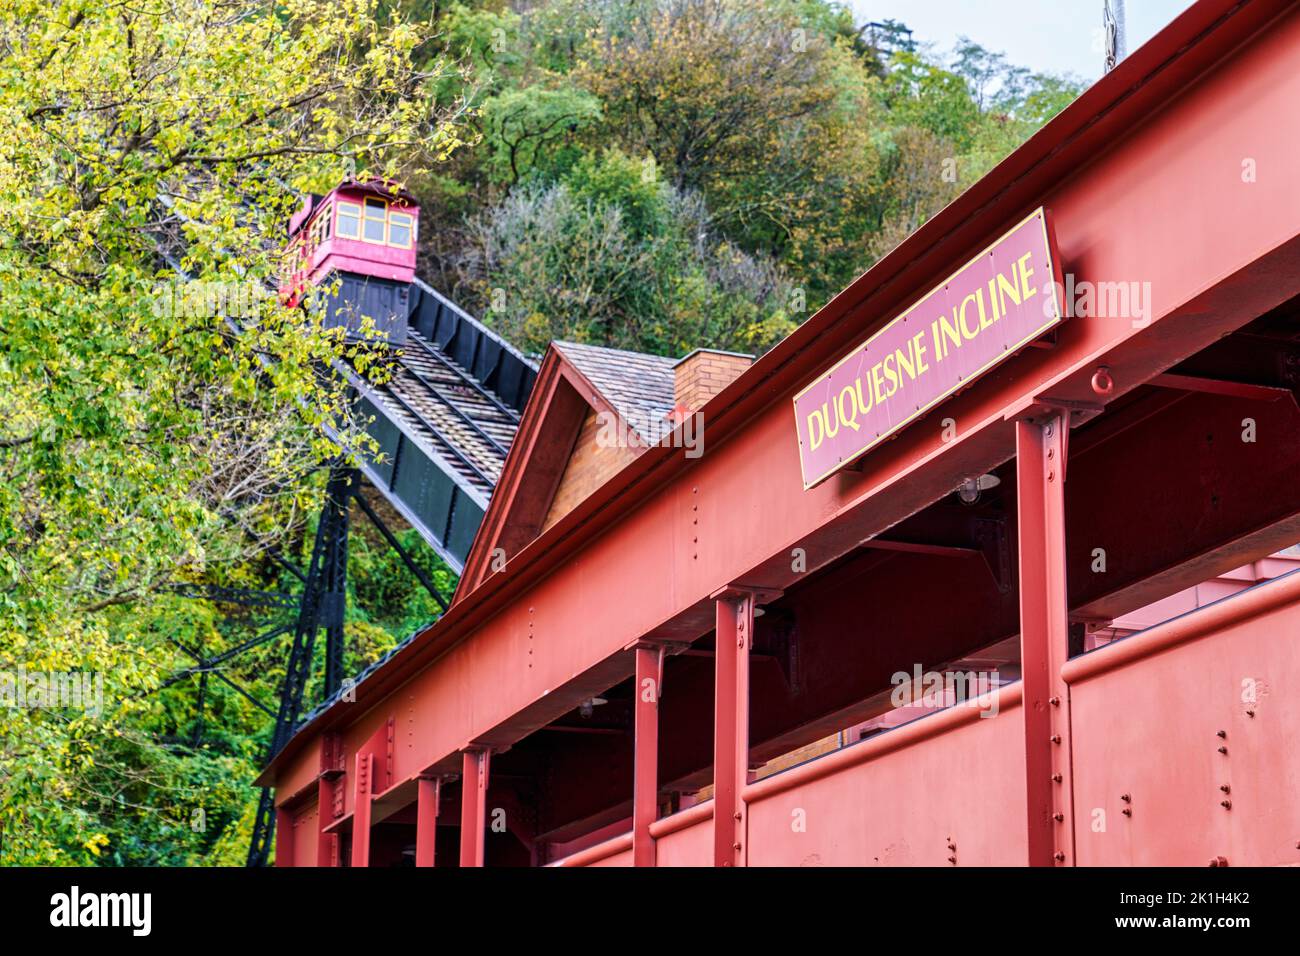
<point x="575" y="382"/>
<point x="638" y="385"/>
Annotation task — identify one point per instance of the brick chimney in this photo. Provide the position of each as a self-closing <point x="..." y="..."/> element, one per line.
<point x="702" y="374"/>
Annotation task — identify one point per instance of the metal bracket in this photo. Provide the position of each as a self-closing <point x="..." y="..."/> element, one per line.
<point x="1040" y="410"/>
<point x="761" y="594"/>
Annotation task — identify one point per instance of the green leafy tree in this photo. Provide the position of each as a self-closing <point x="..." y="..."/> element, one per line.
<point x="614" y="256"/>
<point x="145" y="148"/>
<point x="533" y="130"/>
<point x="762" y="108"/>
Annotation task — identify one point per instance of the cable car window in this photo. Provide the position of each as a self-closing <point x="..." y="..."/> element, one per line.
<point x="288" y="263"/>
<point x="375" y="219"/>
<point x="399" y="230"/>
<point x="349" y="220"/>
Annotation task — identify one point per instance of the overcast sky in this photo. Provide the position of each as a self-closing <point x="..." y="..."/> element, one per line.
<point x="1047" y="36"/>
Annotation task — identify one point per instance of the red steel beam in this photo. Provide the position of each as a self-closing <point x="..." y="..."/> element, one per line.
<point x="645" y="781"/>
<point x="327" y="844"/>
<point x="473" y="805"/>
<point x="724" y="735"/>
<point x="740" y="761"/>
<point x="735" y="629"/>
<point x="913" y="547"/>
<point x="365" y="764"/>
<point x="1219" y="386"/>
<point x="283" y="837"/>
<point x="426" y="820"/>
<point x="329" y="783"/>
<point x="1044" y="638"/>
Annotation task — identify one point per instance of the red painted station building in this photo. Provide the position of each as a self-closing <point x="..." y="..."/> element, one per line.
<point x="666" y="650"/>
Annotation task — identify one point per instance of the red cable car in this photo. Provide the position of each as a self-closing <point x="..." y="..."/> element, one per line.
<point x="363" y="228"/>
<point x="362" y="234"/>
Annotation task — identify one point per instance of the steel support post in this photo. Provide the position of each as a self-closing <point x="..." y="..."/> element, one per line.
<point x="734" y="638"/>
<point x="283" y="837"/>
<point x="327" y="844"/>
<point x="473" y="805"/>
<point x="426" y="820"/>
<point x="645" y="787"/>
<point x="330" y="784"/>
<point x="322" y="603"/>
<point x="361" y="811"/>
<point x="338" y="498"/>
<point x="1041" y="446"/>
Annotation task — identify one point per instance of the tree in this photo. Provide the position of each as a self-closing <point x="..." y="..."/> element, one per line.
<point x="158" y="411"/>
<point x="523" y="129"/>
<point x="612" y="255"/>
<point x="762" y="108"/>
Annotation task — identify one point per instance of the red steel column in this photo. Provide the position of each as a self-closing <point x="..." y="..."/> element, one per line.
<point x="1044" y="638"/>
<point x="361" y="812"/>
<point x="283" y="837"/>
<point x="735" y="627"/>
<point x="426" y="820"/>
<point x="473" y="806"/>
<point x="645" y="761"/>
<point x="327" y="844"/>
<point x="744" y="644"/>
<point x="329" y="802"/>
